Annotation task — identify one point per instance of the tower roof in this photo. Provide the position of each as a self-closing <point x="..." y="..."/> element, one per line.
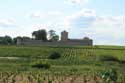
<point x="64" y="31"/>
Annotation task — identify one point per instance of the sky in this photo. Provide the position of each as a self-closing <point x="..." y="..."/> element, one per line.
<point x="101" y="20"/>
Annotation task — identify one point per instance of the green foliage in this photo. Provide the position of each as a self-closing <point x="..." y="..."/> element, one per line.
<point x="73" y="60"/>
<point x="107" y="58"/>
<point x="53" y="36"/>
<point x="33" y="64"/>
<point x="6" y="40"/>
<point x="49" y="81"/>
<point x="40" y="34"/>
<point x="122" y="61"/>
<point x="109" y="75"/>
<point x="55" y="55"/>
<point x="40" y="65"/>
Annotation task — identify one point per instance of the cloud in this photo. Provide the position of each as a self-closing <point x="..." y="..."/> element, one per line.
<point x="107" y="30"/>
<point x="58" y="26"/>
<point x="102" y="29"/>
<point x="22" y="30"/>
<point x="7" y="23"/>
<point x="81" y="19"/>
<point x="54" y="13"/>
<point x="41" y="15"/>
<point x="36" y="14"/>
<point x="78" y="2"/>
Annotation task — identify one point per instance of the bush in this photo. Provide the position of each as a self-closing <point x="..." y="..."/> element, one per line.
<point x="108" y="58"/>
<point x="55" y="55"/>
<point x="41" y="65"/>
<point x="108" y="75"/>
<point x="122" y="61"/>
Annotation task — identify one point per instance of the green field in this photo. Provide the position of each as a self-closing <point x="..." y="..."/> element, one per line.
<point x="17" y="60"/>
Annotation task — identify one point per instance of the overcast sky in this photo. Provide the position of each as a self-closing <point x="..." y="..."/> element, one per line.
<point x="101" y="20"/>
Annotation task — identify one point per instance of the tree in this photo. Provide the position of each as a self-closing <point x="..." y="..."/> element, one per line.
<point x="40" y="35"/>
<point x="53" y="36"/>
<point x="1" y="40"/>
<point x="7" y="40"/>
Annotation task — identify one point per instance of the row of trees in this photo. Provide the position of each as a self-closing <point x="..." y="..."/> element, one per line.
<point x="37" y="35"/>
<point x="42" y="35"/>
<point x="7" y="40"/>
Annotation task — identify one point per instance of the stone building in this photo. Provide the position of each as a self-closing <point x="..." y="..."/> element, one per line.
<point x="65" y="41"/>
<point x="64" y="36"/>
<point x="84" y="41"/>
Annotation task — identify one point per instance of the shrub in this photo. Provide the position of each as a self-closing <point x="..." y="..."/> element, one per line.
<point x="122" y="61"/>
<point x="55" y="55"/>
<point x="108" y="58"/>
<point x="41" y="65"/>
<point x="108" y="75"/>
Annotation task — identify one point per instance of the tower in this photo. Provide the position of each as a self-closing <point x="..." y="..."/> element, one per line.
<point x="64" y="36"/>
<point x="19" y="41"/>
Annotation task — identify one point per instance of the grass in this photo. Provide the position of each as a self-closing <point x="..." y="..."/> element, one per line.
<point x="82" y="58"/>
<point x="73" y="62"/>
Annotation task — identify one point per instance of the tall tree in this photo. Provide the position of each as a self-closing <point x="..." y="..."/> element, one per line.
<point x="53" y="36"/>
<point x="40" y="35"/>
<point x="7" y="40"/>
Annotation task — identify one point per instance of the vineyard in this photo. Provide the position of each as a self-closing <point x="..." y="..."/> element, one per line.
<point x="32" y="64"/>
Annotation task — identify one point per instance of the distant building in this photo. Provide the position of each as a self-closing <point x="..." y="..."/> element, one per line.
<point x="64" y="41"/>
<point x="84" y="41"/>
<point x="64" y="36"/>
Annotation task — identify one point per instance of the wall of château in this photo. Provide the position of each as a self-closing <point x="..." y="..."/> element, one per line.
<point x="64" y="41"/>
<point x="59" y="43"/>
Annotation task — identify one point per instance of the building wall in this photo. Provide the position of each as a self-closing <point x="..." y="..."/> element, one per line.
<point x="64" y="36"/>
<point x="59" y="43"/>
<point x="64" y="41"/>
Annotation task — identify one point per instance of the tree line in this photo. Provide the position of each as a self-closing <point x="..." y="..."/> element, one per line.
<point x="41" y="34"/>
